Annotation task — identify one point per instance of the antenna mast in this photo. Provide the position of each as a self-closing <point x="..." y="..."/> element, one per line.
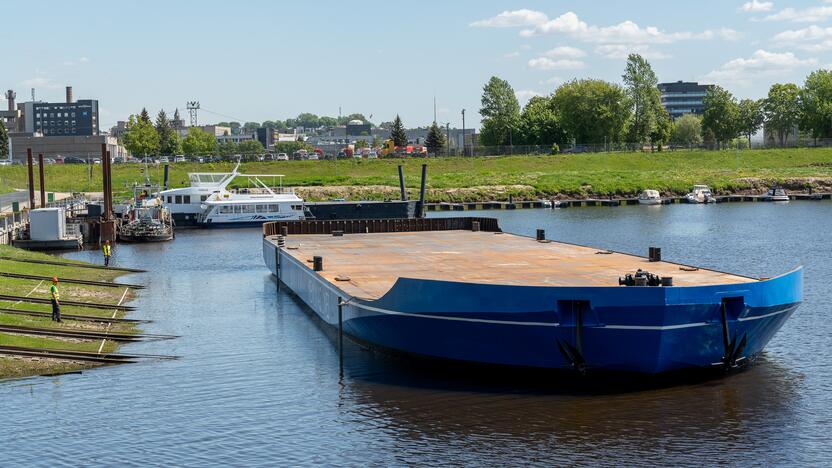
<point x="192" y="107"/>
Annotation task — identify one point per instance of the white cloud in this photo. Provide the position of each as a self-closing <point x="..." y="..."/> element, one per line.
<point x="761" y="63"/>
<point x="511" y="55"/>
<point x="512" y="19"/>
<point x="551" y="81"/>
<point x="813" y="14"/>
<point x="40" y="82"/>
<point x="545" y="63"/>
<point x="536" y="23"/>
<point x="729" y="34"/>
<point x="564" y="51"/>
<point x="621" y="51"/>
<point x="757" y="7"/>
<point x="812" y="38"/>
<point x="524" y="95"/>
<point x="73" y="62"/>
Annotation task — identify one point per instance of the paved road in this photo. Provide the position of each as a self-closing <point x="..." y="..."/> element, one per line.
<point x="6" y="200"/>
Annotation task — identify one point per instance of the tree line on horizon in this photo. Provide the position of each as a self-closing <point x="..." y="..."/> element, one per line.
<point x="594" y="111"/>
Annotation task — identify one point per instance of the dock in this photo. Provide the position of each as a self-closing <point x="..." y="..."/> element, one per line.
<point x="609" y="202"/>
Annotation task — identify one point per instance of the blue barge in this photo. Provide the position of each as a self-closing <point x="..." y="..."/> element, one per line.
<point x="451" y="289"/>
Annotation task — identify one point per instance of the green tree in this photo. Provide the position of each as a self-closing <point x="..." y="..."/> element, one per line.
<point x="290" y="147"/>
<point x="360" y="144"/>
<point x="144" y="116"/>
<point x="308" y="120"/>
<point x="251" y="127"/>
<point x="816" y="104"/>
<point x="645" y="99"/>
<point x="721" y="115"/>
<point x="500" y="113"/>
<point x="397" y="133"/>
<point x="227" y="148"/>
<point x="539" y="124"/>
<point x="199" y="142"/>
<point x="141" y="138"/>
<point x="4" y="141"/>
<point x="328" y="122"/>
<point x="750" y="117"/>
<point x="662" y="129"/>
<point x="435" y="141"/>
<point x="592" y="111"/>
<point x="343" y="120"/>
<point x="250" y="147"/>
<point x="782" y="110"/>
<point x="169" y="141"/>
<point x="687" y="130"/>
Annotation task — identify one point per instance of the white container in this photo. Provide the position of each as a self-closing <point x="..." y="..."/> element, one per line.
<point x="47" y="224"/>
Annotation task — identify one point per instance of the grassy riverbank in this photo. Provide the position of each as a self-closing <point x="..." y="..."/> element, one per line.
<point x="20" y="366"/>
<point x="494" y="178"/>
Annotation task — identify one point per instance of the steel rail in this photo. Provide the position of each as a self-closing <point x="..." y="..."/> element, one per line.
<point x="79" y="265"/>
<point x="80" y="318"/>
<point x="39" y="300"/>
<point x="74" y="281"/>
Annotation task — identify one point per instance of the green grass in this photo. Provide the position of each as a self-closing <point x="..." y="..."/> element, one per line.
<point x="17" y="367"/>
<point x="600" y="174"/>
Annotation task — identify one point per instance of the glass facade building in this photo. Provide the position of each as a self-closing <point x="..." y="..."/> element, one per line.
<point x="683" y="97"/>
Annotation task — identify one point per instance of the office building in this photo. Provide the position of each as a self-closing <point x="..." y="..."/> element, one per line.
<point x="683" y="97"/>
<point x="70" y="118"/>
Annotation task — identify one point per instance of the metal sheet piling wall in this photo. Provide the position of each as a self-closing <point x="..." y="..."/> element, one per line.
<point x="361" y="226"/>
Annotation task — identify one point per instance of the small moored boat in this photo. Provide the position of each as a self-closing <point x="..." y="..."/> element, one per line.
<point x="775" y="194"/>
<point x="650" y="197"/>
<point x="700" y="194"/>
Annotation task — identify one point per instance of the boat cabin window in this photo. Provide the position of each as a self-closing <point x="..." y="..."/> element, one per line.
<point x="170" y="199"/>
<point x="297" y="207"/>
<point x="238" y="209"/>
<point x="178" y="199"/>
<point x="203" y="198"/>
<point x="186" y="199"/>
<point x="248" y="208"/>
<point x="274" y="208"/>
<point x="226" y="209"/>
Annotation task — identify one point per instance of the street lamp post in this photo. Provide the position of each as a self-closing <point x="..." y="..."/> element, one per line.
<point x="463" y="133"/>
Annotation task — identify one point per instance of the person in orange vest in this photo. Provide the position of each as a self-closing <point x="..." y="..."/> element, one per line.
<point x="105" y="248"/>
<point x="55" y="297"/>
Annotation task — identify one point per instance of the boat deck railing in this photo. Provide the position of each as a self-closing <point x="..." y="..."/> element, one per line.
<point x="362" y="226"/>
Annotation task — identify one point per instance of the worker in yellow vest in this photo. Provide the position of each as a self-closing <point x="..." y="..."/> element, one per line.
<point x="105" y="248"/>
<point x="55" y="297"/>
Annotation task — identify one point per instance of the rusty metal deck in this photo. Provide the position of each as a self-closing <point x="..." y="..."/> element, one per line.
<point x="373" y="262"/>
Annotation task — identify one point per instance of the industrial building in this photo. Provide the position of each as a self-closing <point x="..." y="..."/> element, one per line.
<point x="683" y="97"/>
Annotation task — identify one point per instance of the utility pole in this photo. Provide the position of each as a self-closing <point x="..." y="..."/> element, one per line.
<point x="448" y="136"/>
<point x="463" y="133"/>
<point x="192" y="107"/>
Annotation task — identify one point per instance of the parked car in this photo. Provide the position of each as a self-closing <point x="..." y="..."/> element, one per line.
<point x="164" y="159"/>
<point x="75" y="160"/>
<point x="372" y="155"/>
<point x="281" y="157"/>
<point x="96" y="160"/>
<point x="179" y="159"/>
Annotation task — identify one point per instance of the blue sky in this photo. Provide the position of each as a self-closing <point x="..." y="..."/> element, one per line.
<point x="259" y="60"/>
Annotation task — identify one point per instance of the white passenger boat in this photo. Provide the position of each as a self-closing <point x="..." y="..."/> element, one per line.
<point x="700" y="194"/>
<point x="209" y="202"/>
<point x="775" y="194"/>
<point x="650" y="197"/>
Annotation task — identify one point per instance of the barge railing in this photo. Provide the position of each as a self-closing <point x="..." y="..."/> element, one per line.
<point x="362" y="226"/>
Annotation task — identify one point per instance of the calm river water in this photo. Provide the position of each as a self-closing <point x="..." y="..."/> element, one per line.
<point x="258" y="382"/>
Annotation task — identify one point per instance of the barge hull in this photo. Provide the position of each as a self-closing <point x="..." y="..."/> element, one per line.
<point x="648" y="330"/>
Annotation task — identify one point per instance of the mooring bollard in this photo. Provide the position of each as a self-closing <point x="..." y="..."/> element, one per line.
<point x="475" y="226"/>
<point x="284" y="231"/>
<point x="317" y="263"/>
<point x="337" y="233"/>
<point x="281" y="241"/>
<point x="541" y="234"/>
<point x="655" y="254"/>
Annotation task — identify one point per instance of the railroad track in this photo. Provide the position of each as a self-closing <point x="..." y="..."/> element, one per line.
<point x="77" y="265"/>
<point x="73" y="281"/>
<point x="80" y="318"/>
<point x="40" y="300"/>
<point x="83" y="334"/>
<point x="106" y="358"/>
